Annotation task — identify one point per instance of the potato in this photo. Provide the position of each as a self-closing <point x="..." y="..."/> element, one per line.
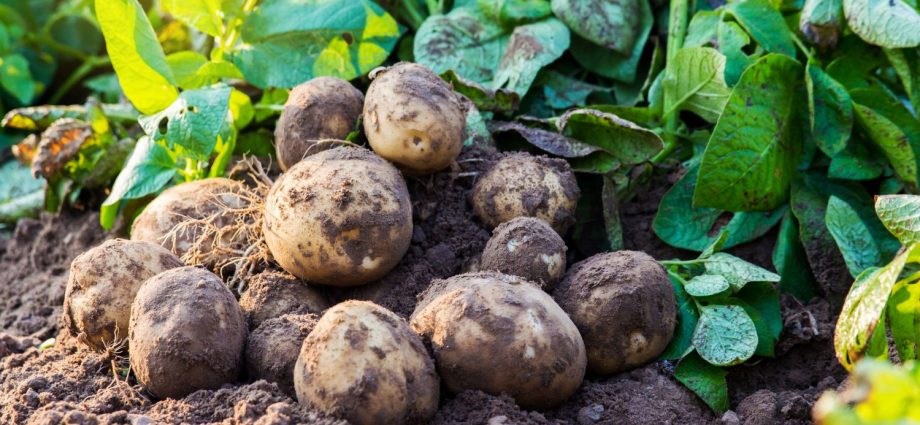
<point x="623" y="304"/>
<point x="271" y="294"/>
<point x="194" y="200"/>
<point x="362" y="363"/>
<point x="322" y="108"/>
<point x="413" y="118"/>
<point x="526" y="247"/>
<point x="273" y="348"/>
<point x="102" y="284"/>
<point x="522" y="185"/>
<point x="341" y="217"/>
<point x="186" y="333"/>
<point x="501" y="334"/>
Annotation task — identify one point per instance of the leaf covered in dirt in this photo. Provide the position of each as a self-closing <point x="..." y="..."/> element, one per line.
<point x="613" y="24"/>
<point x="549" y="141"/>
<point x="530" y="48"/>
<point x="464" y="41"/>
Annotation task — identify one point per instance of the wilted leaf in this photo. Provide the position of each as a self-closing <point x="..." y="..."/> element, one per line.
<point x="59" y="144"/>
<point x="892" y="141"/>
<point x="822" y="22"/>
<point x="484" y="98"/>
<point x="725" y="335"/>
<point x="549" y="141"/>
<point x="563" y="92"/>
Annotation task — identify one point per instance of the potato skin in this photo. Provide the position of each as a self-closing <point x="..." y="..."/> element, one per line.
<point x="526" y="247"/>
<point x="501" y="334"/>
<point x="187" y="333"/>
<point x="103" y="283"/>
<point x="272" y="294"/>
<point x="624" y="305"/>
<point x="273" y="348"/>
<point x="523" y="185"/>
<point x="413" y="118"/>
<point x="322" y="108"/>
<point x="362" y="363"/>
<point x="341" y="217"/>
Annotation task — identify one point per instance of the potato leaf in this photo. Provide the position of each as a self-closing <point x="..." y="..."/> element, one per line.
<point x="687" y="317"/>
<point x="707" y="285"/>
<point x="193" y="121"/>
<point x="852" y="236"/>
<point x="16" y="79"/>
<point x="830" y="110"/>
<point x="465" y="41"/>
<point x="147" y="171"/>
<point x="613" y="24"/>
<point x="192" y="70"/>
<point x="856" y="162"/>
<point x="21" y="195"/>
<point x="737" y="271"/>
<point x="892" y="141"/>
<point x="516" y="12"/>
<point x="887" y="23"/>
<point x="697" y="83"/>
<point x="901" y="216"/>
<point x="620" y="66"/>
<point x="546" y="140"/>
<point x="625" y="141"/>
<point x="725" y="335"/>
<point x="821" y="22"/>
<point x="791" y="263"/>
<point x="703" y="29"/>
<point x="906" y="63"/>
<point x="765" y="24"/>
<point x="484" y="98"/>
<point x="613" y="227"/>
<point x="904" y="319"/>
<point x="530" y="48"/>
<point x="705" y="380"/>
<point x="732" y="42"/>
<point x="203" y="15"/>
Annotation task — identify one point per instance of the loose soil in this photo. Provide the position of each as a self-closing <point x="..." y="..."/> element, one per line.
<point x="68" y="383"/>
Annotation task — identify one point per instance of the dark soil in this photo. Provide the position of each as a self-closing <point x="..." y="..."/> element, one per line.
<point x="71" y="384"/>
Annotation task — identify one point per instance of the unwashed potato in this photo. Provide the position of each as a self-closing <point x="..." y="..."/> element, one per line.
<point x="362" y="363"/>
<point x="273" y="348"/>
<point x="322" y="108"/>
<point x="271" y="294"/>
<point x="526" y="247"/>
<point x="501" y="334"/>
<point x="341" y="217"/>
<point x="102" y="284"/>
<point x="624" y="305"/>
<point x="194" y="200"/>
<point x="523" y="185"/>
<point x="187" y="333"/>
<point x="413" y="118"/>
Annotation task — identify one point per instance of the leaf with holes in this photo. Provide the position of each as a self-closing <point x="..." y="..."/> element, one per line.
<point x="193" y="121"/>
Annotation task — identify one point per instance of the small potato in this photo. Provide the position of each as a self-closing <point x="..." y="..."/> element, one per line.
<point x="522" y="185"/>
<point x="271" y="294"/>
<point x="273" y="348"/>
<point x="501" y="334"/>
<point x="362" y="363"/>
<point x="187" y="333"/>
<point x="413" y="118"/>
<point x="322" y="108"/>
<point x="102" y="284"/>
<point x="341" y="217"/>
<point x="623" y="304"/>
<point x="526" y="247"/>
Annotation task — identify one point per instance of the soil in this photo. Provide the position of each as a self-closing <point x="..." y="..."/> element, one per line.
<point x="68" y="383"/>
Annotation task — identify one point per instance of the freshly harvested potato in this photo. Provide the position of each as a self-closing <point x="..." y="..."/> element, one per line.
<point x="322" y="108"/>
<point x="102" y="284"/>
<point x="623" y="304"/>
<point x="273" y="348"/>
<point x="523" y="185"/>
<point x="413" y="118"/>
<point x="341" y="217"/>
<point x="272" y="294"/>
<point x="501" y="334"/>
<point x="187" y="333"/>
<point x="526" y="247"/>
<point x="188" y="202"/>
<point x="362" y="363"/>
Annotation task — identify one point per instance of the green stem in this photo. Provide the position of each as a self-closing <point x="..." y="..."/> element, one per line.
<point x="233" y="34"/>
<point x="677" y="31"/>
<point x="415" y="17"/>
<point x="802" y="47"/>
<point x="79" y="74"/>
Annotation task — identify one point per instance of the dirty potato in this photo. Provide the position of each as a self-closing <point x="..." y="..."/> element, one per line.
<point x="526" y="247"/>
<point x="273" y="348"/>
<point x="271" y="294"/>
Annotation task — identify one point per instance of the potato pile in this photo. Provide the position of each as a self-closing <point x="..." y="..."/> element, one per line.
<point x="341" y="216"/>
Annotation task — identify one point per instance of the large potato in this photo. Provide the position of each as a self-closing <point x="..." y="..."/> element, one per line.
<point x="526" y="247"/>
<point x="413" y="118"/>
<point x="271" y="294"/>
<point x="102" y="284"/>
<point x="273" y="349"/>
<point x="623" y="304"/>
<point x="362" y="363"/>
<point x="322" y="108"/>
<point x="501" y="334"/>
<point x="187" y="333"/>
<point x="523" y="185"/>
<point x="341" y="217"/>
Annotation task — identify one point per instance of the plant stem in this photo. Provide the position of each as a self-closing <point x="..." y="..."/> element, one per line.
<point x="233" y="34"/>
<point x="79" y="74"/>
<point x="677" y="31"/>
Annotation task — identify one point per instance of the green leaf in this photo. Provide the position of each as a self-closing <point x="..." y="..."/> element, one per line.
<point x="193" y="121"/>
<point x="21" y="195"/>
<point x="682" y="342"/>
<point x="761" y="302"/>
<point x="901" y="216"/>
<point x="892" y="141"/>
<point x="465" y="41"/>
<point x="852" y="236"/>
<point x="485" y="99"/>
<point x="707" y="285"/>
<point x="288" y="42"/>
<point x="830" y="110"/>
<point x="904" y="319"/>
<point x="16" y="79"/>
<point x="751" y="158"/>
<point x="791" y="262"/>
<point x="906" y="63"/>
<point x="546" y="140"/>
<point x="612" y="63"/>
<point x="856" y="162"/>
<point x="697" y="83"/>
<point x="822" y="22"/>
<point x="765" y="24"/>
<point x="878" y="342"/>
<point x="625" y="141"/>
<point x="703" y="29"/>
<point x="136" y="55"/>
<point x="515" y="12"/>
<point x="705" y="380"/>
<point x="613" y="24"/>
<point x="203" y="15"/>
<point x="732" y="42"/>
<point x="857" y="62"/>
<point x="725" y="335"/>
<point x="192" y="70"/>
<point x="737" y="271"/>
<point x="886" y="23"/>
<point x="149" y="169"/>
<point x="563" y="92"/>
<point x="530" y="48"/>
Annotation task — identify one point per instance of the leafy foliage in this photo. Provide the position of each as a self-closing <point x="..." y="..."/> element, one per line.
<point x="881" y="393"/>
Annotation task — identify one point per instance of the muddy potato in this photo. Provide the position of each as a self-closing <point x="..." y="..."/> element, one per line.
<point x="623" y="304"/>
<point x="322" y="108"/>
<point x="192" y="200"/>
<point x="271" y="294"/>
<point x="501" y="334"/>
<point x="187" y="333"/>
<point x="526" y="247"/>
<point x="413" y="118"/>
<point x="523" y="185"/>
<point x="362" y="363"/>
<point x="341" y="217"/>
<point x="273" y="348"/>
<point x="102" y="284"/>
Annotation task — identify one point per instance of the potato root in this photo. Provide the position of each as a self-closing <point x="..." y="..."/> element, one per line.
<point x="526" y="247"/>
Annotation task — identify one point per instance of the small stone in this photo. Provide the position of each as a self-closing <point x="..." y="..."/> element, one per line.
<point x="590" y="414"/>
<point x="498" y="420"/>
<point x="731" y="418"/>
